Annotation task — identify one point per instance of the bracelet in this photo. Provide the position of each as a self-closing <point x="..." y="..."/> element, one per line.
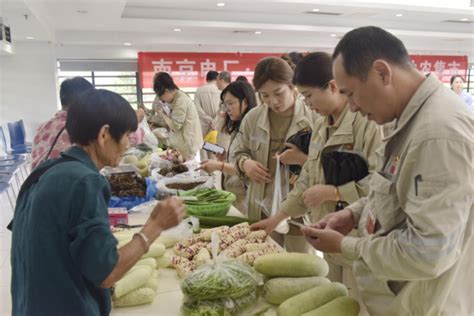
<point x="222" y="168"/>
<point x="338" y="196"/>
<point x="144" y="239"/>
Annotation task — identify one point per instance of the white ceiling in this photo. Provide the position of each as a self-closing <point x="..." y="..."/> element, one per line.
<point x="284" y="24"/>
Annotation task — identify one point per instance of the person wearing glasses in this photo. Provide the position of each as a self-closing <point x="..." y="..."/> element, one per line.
<point x="238" y="99"/>
<point x="183" y="121"/>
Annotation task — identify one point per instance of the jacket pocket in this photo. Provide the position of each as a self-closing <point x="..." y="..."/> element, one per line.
<point x="384" y="200"/>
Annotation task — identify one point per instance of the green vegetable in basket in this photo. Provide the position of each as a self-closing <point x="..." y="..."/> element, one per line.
<point x="225" y="278"/>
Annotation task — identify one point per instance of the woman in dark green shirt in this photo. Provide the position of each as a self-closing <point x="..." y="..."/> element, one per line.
<point x="64" y="257"/>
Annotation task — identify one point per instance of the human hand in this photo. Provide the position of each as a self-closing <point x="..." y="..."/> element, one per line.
<point x="293" y="155"/>
<point x="210" y="166"/>
<point x="342" y="221"/>
<point x="221" y="157"/>
<point x="166" y="214"/>
<point x="318" y="194"/>
<point x="323" y="239"/>
<point x="140" y="114"/>
<point x="256" y="172"/>
<point x="271" y="223"/>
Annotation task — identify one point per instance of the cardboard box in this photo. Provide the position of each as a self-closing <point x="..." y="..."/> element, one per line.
<point x="117" y="216"/>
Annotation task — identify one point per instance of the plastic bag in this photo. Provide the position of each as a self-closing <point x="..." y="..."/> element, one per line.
<point x="280" y="191"/>
<point x="219" y="307"/>
<point x="161" y="185"/>
<point x="148" y="138"/>
<point x="222" y="278"/>
<point x="185" y="229"/>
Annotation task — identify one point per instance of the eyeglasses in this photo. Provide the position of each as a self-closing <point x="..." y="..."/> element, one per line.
<point x="228" y="105"/>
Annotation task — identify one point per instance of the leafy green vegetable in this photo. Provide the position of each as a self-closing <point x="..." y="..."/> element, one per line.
<point x="219" y="307"/>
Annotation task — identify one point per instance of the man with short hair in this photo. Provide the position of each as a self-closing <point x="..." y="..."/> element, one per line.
<point x="415" y="250"/>
<point x="51" y="137"/>
<point x="223" y="80"/>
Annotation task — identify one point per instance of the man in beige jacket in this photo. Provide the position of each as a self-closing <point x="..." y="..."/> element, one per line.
<point x="415" y="253"/>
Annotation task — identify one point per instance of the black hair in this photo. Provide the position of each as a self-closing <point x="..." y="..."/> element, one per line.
<point x="454" y="78"/>
<point x="362" y="46"/>
<point x="96" y="108"/>
<point x="71" y="88"/>
<point x="211" y="75"/>
<point x="314" y="70"/>
<point x="242" y="78"/>
<point x="163" y="81"/>
<point x="242" y="91"/>
<point x="225" y="75"/>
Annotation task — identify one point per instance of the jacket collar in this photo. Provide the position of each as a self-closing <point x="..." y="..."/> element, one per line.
<point x="299" y="116"/>
<point x="424" y="91"/>
<point x="344" y="133"/>
<point x="80" y="155"/>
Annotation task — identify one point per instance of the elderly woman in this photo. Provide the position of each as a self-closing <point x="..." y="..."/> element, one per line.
<point x="64" y="257"/>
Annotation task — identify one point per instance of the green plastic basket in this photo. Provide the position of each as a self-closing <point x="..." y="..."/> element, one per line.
<point x="211" y="209"/>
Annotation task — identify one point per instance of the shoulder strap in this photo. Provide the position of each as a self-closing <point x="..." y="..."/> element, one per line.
<point x="34" y="178"/>
<point x="54" y="143"/>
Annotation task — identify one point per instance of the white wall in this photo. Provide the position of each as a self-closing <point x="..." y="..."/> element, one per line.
<point x="28" y="85"/>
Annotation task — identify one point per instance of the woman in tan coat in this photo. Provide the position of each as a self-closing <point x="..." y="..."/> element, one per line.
<point x="183" y="122"/>
<point x="337" y="129"/>
<point x="263" y="134"/>
<point x="239" y="99"/>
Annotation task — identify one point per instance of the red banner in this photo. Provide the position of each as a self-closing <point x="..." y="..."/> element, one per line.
<point x="190" y="69"/>
<point x="442" y="66"/>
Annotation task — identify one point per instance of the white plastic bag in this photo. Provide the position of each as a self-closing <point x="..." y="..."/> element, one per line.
<point x="280" y="191"/>
<point x="185" y="229"/>
<point x="148" y="138"/>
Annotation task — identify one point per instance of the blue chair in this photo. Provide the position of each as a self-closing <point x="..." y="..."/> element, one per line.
<point x="5" y="158"/>
<point x="18" y="137"/>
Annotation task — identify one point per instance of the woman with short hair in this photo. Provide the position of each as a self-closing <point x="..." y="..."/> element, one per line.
<point x="183" y="121"/>
<point x="64" y="257"/>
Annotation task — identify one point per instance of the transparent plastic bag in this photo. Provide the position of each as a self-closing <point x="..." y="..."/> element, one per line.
<point x="148" y="138"/>
<point x="219" y="307"/>
<point x="221" y="278"/>
<point x="280" y="191"/>
<point x="185" y="229"/>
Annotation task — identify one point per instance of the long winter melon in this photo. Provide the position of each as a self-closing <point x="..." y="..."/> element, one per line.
<point x="278" y="290"/>
<point x="156" y="250"/>
<point x="291" y="264"/>
<point x="147" y="262"/>
<point x="133" y="280"/>
<point x="136" y="297"/>
<point x="341" y="306"/>
<point x="311" y="299"/>
<point x="163" y="261"/>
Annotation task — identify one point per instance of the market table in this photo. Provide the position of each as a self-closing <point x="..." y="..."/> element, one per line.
<point x="169" y="297"/>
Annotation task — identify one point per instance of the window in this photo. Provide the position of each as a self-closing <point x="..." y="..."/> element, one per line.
<point x="124" y="83"/>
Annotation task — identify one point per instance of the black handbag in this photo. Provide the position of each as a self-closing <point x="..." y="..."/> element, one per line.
<point x="302" y="140"/>
<point x="341" y="167"/>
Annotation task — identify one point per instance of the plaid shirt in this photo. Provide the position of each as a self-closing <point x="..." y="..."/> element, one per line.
<point x="45" y="137"/>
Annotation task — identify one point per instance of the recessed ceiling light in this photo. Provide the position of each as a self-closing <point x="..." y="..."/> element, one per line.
<point x="315" y="10"/>
<point x="464" y="19"/>
<point x="81" y="11"/>
<point x="30" y="38"/>
<point x="220" y="4"/>
<point x="127" y="44"/>
<point x="333" y="35"/>
<point x="398" y="15"/>
<point x="258" y="32"/>
<point x="177" y="30"/>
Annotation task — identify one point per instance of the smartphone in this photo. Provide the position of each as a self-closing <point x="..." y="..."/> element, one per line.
<point x="213" y="148"/>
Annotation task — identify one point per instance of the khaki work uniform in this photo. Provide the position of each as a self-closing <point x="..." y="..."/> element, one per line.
<point x="234" y="183"/>
<point x="253" y="142"/>
<point x="416" y="253"/>
<point x="351" y="132"/>
<point x="185" y="134"/>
